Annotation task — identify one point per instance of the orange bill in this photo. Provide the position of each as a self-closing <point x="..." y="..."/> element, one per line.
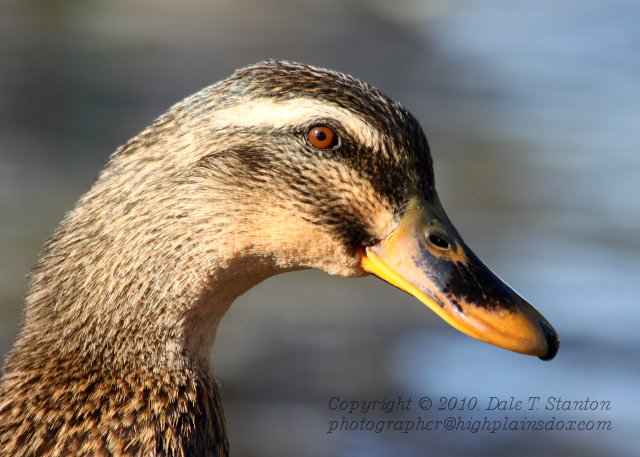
<point x="426" y="257"/>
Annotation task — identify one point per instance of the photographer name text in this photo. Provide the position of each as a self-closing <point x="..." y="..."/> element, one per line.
<point x="491" y="403"/>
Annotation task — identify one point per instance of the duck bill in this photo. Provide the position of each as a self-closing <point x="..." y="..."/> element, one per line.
<point x="426" y="258"/>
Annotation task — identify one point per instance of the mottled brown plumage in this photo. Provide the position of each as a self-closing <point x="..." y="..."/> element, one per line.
<point x="218" y="194"/>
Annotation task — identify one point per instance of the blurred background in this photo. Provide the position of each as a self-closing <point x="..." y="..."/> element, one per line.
<point x="532" y="110"/>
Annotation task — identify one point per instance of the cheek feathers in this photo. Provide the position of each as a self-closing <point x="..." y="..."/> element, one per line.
<point x="345" y="195"/>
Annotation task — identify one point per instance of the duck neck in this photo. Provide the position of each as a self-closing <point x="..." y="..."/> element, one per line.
<point x="120" y="286"/>
<point x="120" y="330"/>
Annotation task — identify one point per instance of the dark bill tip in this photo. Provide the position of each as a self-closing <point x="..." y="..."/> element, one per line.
<point x="553" y="342"/>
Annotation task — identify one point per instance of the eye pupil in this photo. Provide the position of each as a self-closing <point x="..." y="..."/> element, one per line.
<point x="322" y="137"/>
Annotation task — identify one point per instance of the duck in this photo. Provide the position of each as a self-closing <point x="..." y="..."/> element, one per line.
<point x="280" y="167"/>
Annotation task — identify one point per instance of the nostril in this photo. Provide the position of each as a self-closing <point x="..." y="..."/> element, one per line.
<point x="438" y="241"/>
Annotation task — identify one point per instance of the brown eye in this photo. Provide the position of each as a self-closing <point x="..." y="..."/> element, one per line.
<point x="322" y="137"/>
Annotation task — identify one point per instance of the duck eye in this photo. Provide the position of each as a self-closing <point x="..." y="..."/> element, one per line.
<point x="322" y="137"/>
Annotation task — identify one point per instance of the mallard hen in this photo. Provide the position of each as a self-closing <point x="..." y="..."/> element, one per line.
<point x="279" y="167"/>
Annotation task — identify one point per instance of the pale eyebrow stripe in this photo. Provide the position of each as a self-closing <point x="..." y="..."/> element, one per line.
<point x="270" y="113"/>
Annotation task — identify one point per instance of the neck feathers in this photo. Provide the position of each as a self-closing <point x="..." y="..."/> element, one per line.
<point x="66" y="408"/>
<point x="114" y="354"/>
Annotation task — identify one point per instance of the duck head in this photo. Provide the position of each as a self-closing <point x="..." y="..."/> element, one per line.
<point x="320" y="170"/>
<point x="279" y="167"/>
